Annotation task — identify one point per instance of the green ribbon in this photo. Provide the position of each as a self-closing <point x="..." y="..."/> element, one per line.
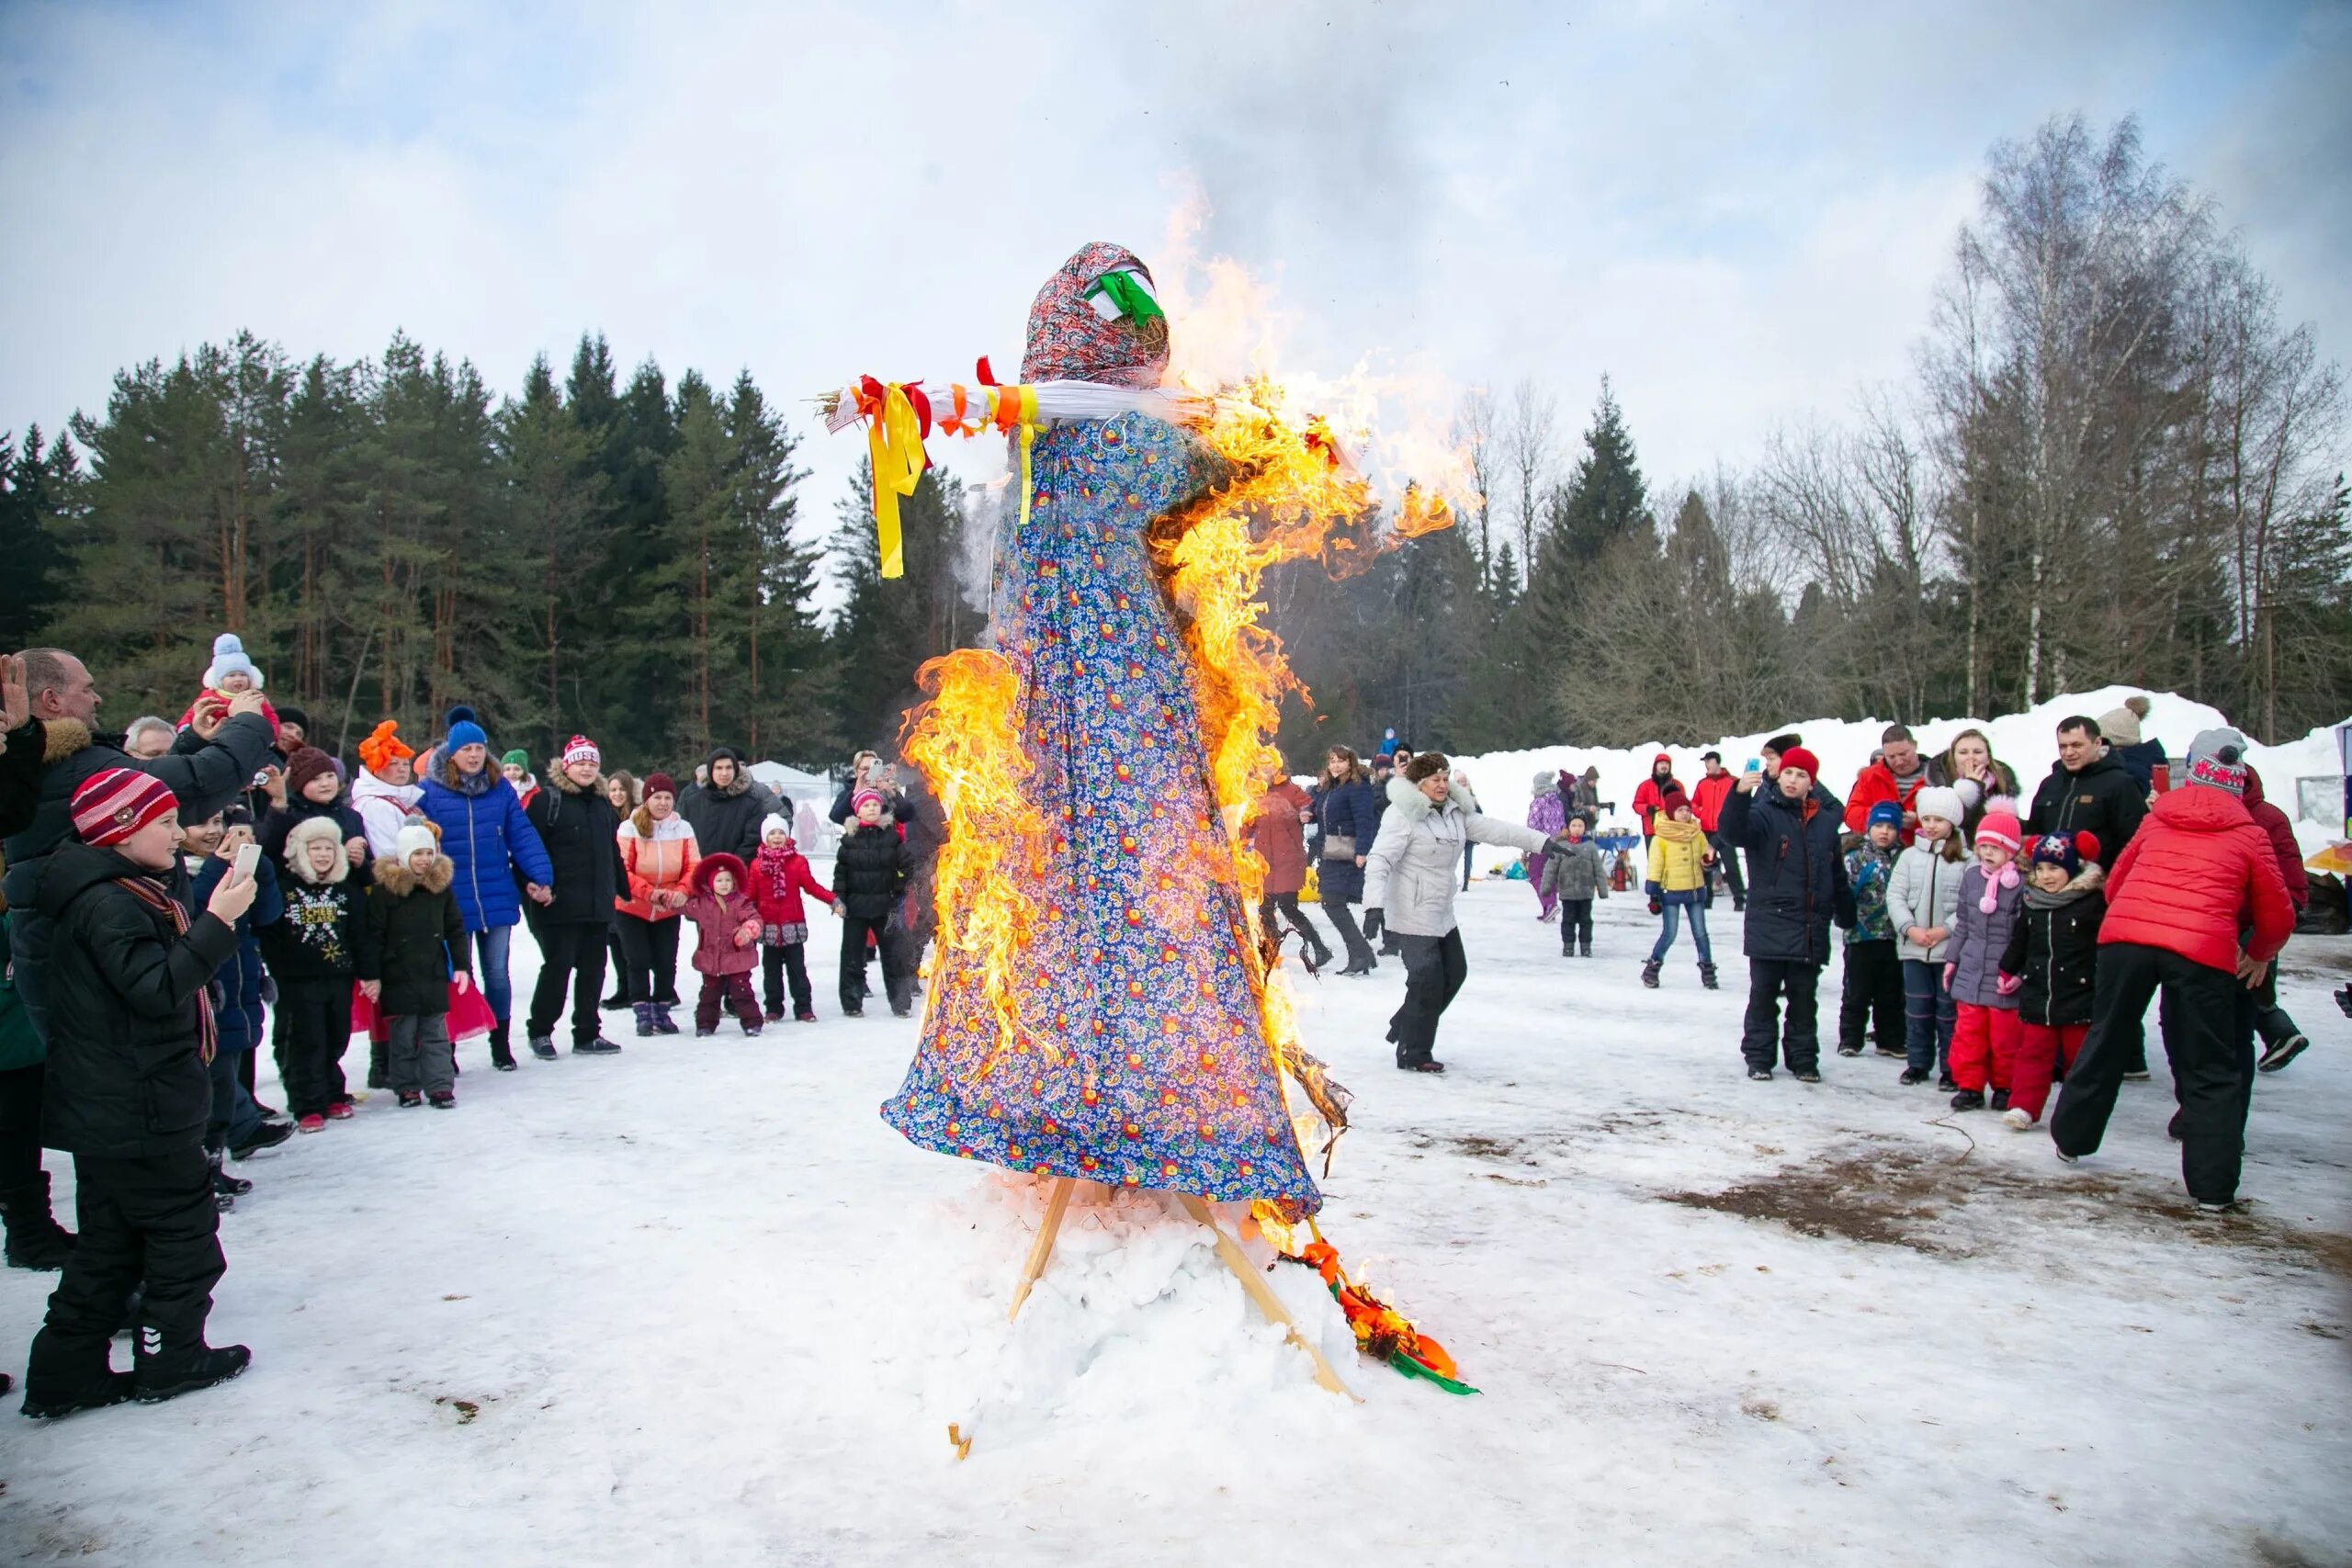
<point x="1133" y="300"/>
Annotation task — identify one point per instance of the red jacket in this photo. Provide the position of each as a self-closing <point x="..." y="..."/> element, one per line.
<point x="1874" y="783"/>
<point x="2273" y="821"/>
<point x="2195" y="868"/>
<point x="721" y="922"/>
<point x="1650" y="799"/>
<point x="778" y="879"/>
<point x="1277" y="830"/>
<point x="1707" y="800"/>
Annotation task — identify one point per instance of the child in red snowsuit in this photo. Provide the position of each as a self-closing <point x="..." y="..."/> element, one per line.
<point x="727" y="922"/>
<point x="779" y="876"/>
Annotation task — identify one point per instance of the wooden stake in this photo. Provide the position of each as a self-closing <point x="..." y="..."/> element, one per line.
<point x="1229" y="1252"/>
<point x="1042" y="1248"/>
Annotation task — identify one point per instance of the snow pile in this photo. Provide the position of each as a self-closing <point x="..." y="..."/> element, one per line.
<point x="1135" y="1313"/>
<point x="2027" y="742"/>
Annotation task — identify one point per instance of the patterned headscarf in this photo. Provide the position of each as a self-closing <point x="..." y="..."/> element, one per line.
<point x="1068" y="341"/>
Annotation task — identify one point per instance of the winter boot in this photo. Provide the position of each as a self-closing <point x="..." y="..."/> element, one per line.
<point x="1584" y="949"/>
<point x="225" y="1184"/>
<point x="2000" y="1100"/>
<point x="1707" y="976"/>
<point x="661" y="1021"/>
<point x="62" y="1376"/>
<point x="500" y="1056"/>
<point x="442" y="1100"/>
<point x="1968" y="1100"/>
<point x="35" y="1239"/>
<point x="1649" y="974"/>
<point x="379" y="1065"/>
<point x="166" y="1372"/>
<point x="599" y="1047"/>
<point x="644" y="1020"/>
<point x="2280" y="1054"/>
<point x="543" y="1047"/>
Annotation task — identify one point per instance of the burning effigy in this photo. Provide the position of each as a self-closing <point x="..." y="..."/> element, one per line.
<point x="1103" y="1005"/>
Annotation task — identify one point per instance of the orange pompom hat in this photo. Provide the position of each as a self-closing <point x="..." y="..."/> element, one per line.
<point x="381" y="746"/>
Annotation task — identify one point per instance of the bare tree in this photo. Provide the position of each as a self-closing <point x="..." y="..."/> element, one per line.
<point x="1475" y="433"/>
<point x="1531" y="439"/>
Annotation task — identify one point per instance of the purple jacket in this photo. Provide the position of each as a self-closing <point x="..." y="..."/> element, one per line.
<point x="1978" y="940"/>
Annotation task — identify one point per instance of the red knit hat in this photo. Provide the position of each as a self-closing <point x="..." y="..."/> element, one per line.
<point x="1672" y="797"/>
<point x="115" y="804"/>
<point x="659" y="783"/>
<point x="1798" y="757"/>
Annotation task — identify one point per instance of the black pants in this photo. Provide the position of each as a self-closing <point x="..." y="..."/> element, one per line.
<point x="20" y="1093"/>
<point x="786" y="960"/>
<point x="1873" y="994"/>
<point x="1799" y="1038"/>
<point x="652" y="949"/>
<point x="1287" y="904"/>
<point x="2205" y="1017"/>
<point x="618" y="960"/>
<point x="1343" y="920"/>
<point x="317" y="1015"/>
<point x="572" y="952"/>
<point x="895" y="982"/>
<point x="1727" y="858"/>
<point x="1575" y="925"/>
<point x="1435" y="967"/>
<point x="142" y="1221"/>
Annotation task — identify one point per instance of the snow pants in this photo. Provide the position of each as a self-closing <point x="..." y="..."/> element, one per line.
<point x="234" y="1117"/>
<point x="1435" y="967"/>
<point x="1544" y="902"/>
<point x="20" y="1100"/>
<point x="734" y="993"/>
<point x="2211" y="1055"/>
<point x="148" y="1222"/>
<point x="2040" y="1047"/>
<point x="782" y="960"/>
<point x="1873" y="995"/>
<point x="419" y="1056"/>
<point x="1929" y="1014"/>
<point x="318" y="1029"/>
<point x="1799" y="1038"/>
<point x="1985" y="1047"/>
<point x="897" y="983"/>
<point x="1575" y="925"/>
<point x="572" y="957"/>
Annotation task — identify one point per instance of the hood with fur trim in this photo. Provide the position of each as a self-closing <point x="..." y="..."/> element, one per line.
<point x="62" y="738"/>
<point x="1405" y="795"/>
<point x="307" y="831"/>
<point x="2081" y="884"/>
<point x="394" y="878"/>
<point x="710" y="866"/>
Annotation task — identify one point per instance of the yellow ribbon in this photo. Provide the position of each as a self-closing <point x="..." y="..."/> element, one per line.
<point x="895" y="441"/>
<point x="1028" y="434"/>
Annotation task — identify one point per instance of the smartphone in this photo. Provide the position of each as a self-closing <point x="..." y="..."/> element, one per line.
<point x="1755" y="765"/>
<point x="248" y="857"/>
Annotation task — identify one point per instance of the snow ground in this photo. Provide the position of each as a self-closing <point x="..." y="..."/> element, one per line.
<point x="696" y="1304"/>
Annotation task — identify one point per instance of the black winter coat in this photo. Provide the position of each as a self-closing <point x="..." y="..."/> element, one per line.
<point x="870" y="871"/>
<point x="413" y="933"/>
<point x="581" y="830"/>
<point x="727" y="821"/>
<point x="2054" y="945"/>
<point x="2104" y="799"/>
<point x="1796" y="874"/>
<point x="20" y="769"/>
<point x="318" y="933"/>
<point x="203" y="776"/>
<point x="125" y="1077"/>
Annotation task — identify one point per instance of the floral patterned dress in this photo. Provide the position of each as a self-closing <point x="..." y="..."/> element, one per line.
<point x="1159" y="1073"/>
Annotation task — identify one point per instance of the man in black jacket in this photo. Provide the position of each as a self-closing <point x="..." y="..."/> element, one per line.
<point x="127" y="1096"/>
<point x="726" y="812"/>
<point x="2089" y="791"/>
<point x="581" y="830"/>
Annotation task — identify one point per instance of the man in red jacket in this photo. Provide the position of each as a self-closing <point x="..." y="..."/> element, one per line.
<point x="1899" y="774"/>
<point x="1707" y="804"/>
<point x="1650" y="799"/>
<point x="2179" y="897"/>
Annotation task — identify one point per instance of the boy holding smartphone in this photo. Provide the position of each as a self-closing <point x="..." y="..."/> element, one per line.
<point x="131" y="1035"/>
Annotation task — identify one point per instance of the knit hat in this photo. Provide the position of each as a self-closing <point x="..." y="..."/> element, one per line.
<point x="579" y="749"/>
<point x="1798" y="757"/>
<point x="306" y="763"/>
<point x="2057" y="849"/>
<point x="228" y="656"/>
<point x="774" y="822"/>
<point x="2121" y="726"/>
<point x="115" y="803"/>
<point x="517" y="758"/>
<point x="415" y="836"/>
<point x="382" y="746"/>
<point x="463" y="733"/>
<point x="1935" y="800"/>
<point x="2217" y="760"/>
<point x="857" y="802"/>
<point x="659" y="784"/>
<point x="1885" y="814"/>
<point x="295" y="716"/>
<point x="1672" y="799"/>
<point x="2001" y="827"/>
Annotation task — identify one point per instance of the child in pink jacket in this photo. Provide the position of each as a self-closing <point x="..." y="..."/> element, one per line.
<point x="727" y="923"/>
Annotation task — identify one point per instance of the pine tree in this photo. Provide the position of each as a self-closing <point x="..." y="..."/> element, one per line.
<point x="556" y="496"/>
<point x="34" y="539"/>
<point x="787" y="694"/>
<point x="886" y="630"/>
<point x="1604" y="501"/>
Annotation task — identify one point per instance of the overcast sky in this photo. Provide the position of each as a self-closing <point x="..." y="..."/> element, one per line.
<point x="1737" y="212"/>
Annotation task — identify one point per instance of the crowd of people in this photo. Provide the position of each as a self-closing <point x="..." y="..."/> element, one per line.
<point x="181" y="893"/>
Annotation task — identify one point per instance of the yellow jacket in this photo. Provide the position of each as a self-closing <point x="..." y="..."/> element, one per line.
<point x="1678" y="857"/>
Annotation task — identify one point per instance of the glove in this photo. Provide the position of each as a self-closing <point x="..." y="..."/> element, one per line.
<point x="1374" y="923"/>
<point x="2009" y="985"/>
<point x="269" y="990"/>
<point x="1657" y="905"/>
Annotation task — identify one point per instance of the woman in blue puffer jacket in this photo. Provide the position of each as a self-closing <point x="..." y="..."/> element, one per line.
<point x="487" y="839"/>
<point x="1349" y="817"/>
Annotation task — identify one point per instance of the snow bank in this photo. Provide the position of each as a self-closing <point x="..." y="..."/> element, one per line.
<point x="2026" y="742"/>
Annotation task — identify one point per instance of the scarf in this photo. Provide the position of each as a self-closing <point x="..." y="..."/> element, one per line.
<point x="1994" y="882"/>
<point x="1679" y="831"/>
<point x="208" y="1039"/>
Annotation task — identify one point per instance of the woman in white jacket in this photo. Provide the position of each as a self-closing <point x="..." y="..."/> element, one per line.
<point x="1408" y="890"/>
<point x="1920" y="899"/>
<point x="383" y="794"/>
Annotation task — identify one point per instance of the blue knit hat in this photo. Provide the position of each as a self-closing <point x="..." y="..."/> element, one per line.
<point x="1885" y="814"/>
<point x="463" y="732"/>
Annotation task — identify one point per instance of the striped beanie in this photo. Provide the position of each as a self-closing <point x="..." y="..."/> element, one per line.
<point x="579" y="749"/>
<point x="113" y="803"/>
